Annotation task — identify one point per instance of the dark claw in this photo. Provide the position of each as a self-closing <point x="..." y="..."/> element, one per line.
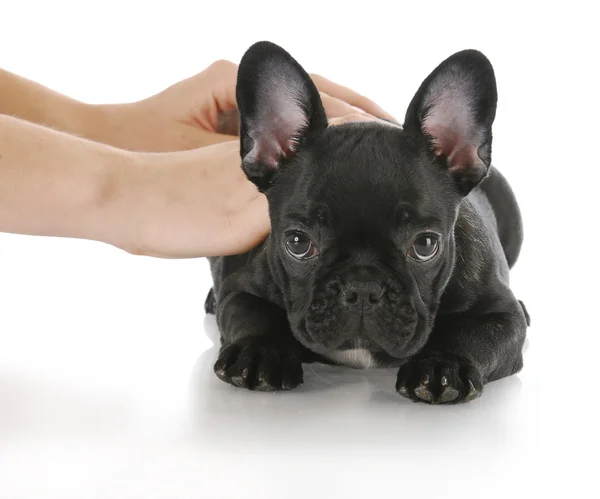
<point x="473" y="392"/>
<point x="402" y="390"/>
<point x="263" y="386"/>
<point x="423" y="393"/>
<point x="292" y="380"/>
<point x="260" y="364"/>
<point x="238" y="381"/>
<point x="449" y="394"/>
<point x="472" y="396"/>
<point x="439" y="379"/>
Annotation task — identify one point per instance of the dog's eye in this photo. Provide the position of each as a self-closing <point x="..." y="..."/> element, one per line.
<point x="424" y="247"/>
<point x="300" y="246"/>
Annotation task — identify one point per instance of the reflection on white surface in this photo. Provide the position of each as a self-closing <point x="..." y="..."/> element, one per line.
<point x="340" y="428"/>
<point x="342" y="407"/>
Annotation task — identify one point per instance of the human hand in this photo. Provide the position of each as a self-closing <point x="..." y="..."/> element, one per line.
<point x="184" y="204"/>
<point x="201" y="110"/>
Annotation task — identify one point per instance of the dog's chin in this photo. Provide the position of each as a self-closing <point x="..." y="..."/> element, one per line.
<point x="384" y="344"/>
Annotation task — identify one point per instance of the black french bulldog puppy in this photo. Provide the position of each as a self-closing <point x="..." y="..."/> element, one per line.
<point x="390" y="245"/>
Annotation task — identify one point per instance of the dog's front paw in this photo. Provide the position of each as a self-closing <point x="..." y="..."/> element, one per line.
<point x="439" y="379"/>
<point x="260" y="363"/>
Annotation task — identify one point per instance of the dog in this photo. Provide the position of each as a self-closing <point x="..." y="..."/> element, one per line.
<point x="390" y="244"/>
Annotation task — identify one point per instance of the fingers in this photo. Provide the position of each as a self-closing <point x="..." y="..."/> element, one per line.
<point x="339" y="112"/>
<point x="219" y="110"/>
<point x="336" y="108"/>
<point x="228" y="122"/>
<point x="358" y="117"/>
<point x="353" y="117"/>
<point x="338" y="100"/>
<point x="350" y="96"/>
<point x="223" y="76"/>
<point x="223" y="66"/>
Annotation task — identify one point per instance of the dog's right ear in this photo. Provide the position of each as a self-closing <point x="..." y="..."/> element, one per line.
<point x="280" y="111"/>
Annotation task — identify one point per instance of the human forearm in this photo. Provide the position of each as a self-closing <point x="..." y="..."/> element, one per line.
<point x="52" y="183"/>
<point x="181" y="204"/>
<point x="143" y="125"/>
<point x="111" y="124"/>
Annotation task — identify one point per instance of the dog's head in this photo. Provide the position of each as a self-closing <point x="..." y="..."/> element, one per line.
<point x="363" y="214"/>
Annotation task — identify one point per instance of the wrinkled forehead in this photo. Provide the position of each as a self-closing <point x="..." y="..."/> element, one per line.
<point x="356" y="204"/>
<point x="360" y="176"/>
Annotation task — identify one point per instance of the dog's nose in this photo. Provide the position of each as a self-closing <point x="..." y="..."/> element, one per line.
<point x="366" y="294"/>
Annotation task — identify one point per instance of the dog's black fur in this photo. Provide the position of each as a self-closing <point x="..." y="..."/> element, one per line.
<point x="370" y="203"/>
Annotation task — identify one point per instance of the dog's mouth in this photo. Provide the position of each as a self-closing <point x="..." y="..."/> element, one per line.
<point x="392" y="323"/>
<point x="360" y="343"/>
<point x="372" y="336"/>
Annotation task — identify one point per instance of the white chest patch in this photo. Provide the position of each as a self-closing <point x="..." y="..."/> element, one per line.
<point x="359" y="358"/>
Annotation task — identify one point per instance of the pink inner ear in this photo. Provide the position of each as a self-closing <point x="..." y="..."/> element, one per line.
<point x="451" y="125"/>
<point x="279" y="123"/>
<point x="449" y="143"/>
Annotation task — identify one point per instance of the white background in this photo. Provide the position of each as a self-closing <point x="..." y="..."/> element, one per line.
<point x="106" y="388"/>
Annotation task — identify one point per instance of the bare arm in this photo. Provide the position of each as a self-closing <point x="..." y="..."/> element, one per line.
<point x="30" y="101"/>
<point x="159" y="123"/>
<point x="51" y="183"/>
<point x="180" y="204"/>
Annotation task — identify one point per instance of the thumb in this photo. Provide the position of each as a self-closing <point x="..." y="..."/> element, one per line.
<point x="247" y="228"/>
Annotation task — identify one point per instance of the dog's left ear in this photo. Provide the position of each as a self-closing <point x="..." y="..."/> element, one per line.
<point x="454" y="109"/>
<point x="280" y="111"/>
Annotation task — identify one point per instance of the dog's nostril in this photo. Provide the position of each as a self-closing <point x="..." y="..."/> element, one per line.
<point x="351" y="297"/>
<point x="365" y="293"/>
<point x="374" y="298"/>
